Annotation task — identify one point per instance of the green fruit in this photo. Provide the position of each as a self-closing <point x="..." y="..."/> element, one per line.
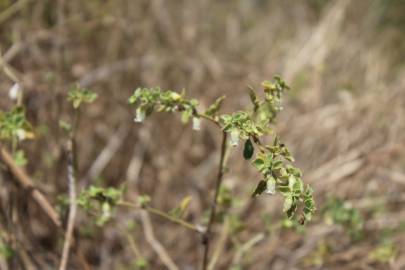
<point x="248" y="150"/>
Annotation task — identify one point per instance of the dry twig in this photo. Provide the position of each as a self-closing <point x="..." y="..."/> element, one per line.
<point x="156" y="245"/>
<point x="72" y="207"/>
<point x="21" y="177"/>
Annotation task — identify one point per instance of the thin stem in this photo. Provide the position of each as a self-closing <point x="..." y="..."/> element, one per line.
<point x="209" y="118"/>
<point x="133" y="246"/>
<point x="164" y="215"/>
<point x="72" y="207"/>
<point x="71" y="168"/>
<point x="206" y="235"/>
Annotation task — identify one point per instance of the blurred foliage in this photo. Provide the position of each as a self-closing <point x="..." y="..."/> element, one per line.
<point x="14" y="125"/>
<point x="78" y="95"/>
<point x="337" y="211"/>
<point x="384" y="252"/>
<point x="6" y="251"/>
<point x="100" y="202"/>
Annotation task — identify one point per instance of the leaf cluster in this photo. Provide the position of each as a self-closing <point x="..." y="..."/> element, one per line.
<point x="336" y="211"/>
<point x="272" y="161"/>
<point x="280" y="176"/>
<point x="100" y="201"/>
<point x="14" y="125"/>
<point x="154" y="99"/>
<point x="78" y="95"/>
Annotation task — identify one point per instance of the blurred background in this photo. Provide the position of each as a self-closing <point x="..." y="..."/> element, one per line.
<point x="343" y="121"/>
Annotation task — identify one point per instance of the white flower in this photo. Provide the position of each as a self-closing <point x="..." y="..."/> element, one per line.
<point x="15" y="91"/>
<point x="21" y="134"/>
<point x="196" y="123"/>
<point x="234" y="141"/>
<point x="140" y="115"/>
<point x="270" y="186"/>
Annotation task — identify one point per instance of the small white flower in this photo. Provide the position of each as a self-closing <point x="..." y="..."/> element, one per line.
<point x="196" y="123"/>
<point x="21" y="134"/>
<point x="234" y="141"/>
<point x="15" y="91"/>
<point x="271" y="186"/>
<point x="140" y="115"/>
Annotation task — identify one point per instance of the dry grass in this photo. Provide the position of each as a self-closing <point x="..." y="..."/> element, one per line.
<point x="343" y="121"/>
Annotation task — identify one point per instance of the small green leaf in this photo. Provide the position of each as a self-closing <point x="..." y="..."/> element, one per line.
<point x="19" y="158"/>
<point x="6" y="251"/>
<point x="67" y="127"/>
<point x="288" y="202"/>
<point x="254" y="99"/>
<point x="78" y="95"/>
<point x="248" y="150"/>
<point x="214" y="108"/>
<point x="143" y="200"/>
<point x="259" y="164"/>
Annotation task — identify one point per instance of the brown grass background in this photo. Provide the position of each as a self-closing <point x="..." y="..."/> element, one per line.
<point x="343" y="121"/>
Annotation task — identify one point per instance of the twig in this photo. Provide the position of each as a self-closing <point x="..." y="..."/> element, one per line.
<point x="247" y="246"/>
<point x="156" y="245"/>
<point x="72" y="206"/>
<point x="14" y="8"/>
<point x="162" y="214"/>
<point x="133" y="246"/>
<point x="220" y="246"/>
<point x="206" y="235"/>
<point x="26" y="183"/>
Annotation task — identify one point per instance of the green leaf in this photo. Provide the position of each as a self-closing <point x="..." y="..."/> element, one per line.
<point x="180" y="210"/>
<point x="78" y="95"/>
<point x="259" y="163"/>
<point x="6" y="251"/>
<point x="248" y="150"/>
<point x="254" y="99"/>
<point x="19" y="158"/>
<point x="288" y="202"/>
<point x="143" y="200"/>
<point x="214" y="108"/>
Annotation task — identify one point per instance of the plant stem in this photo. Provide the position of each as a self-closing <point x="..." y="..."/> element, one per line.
<point x="72" y="206"/>
<point x="206" y="235"/>
<point x="71" y="168"/>
<point x="162" y="214"/>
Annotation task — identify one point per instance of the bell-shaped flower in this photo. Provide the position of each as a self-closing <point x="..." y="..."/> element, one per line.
<point x="196" y="123"/>
<point x="234" y="141"/>
<point x="140" y="115"/>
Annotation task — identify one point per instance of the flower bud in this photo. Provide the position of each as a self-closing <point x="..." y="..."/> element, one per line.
<point x="234" y="141"/>
<point x="14" y="92"/>
<point x="270" y="186"/>
<point x="196" y="123"/>
<point x="21" y="134"/>
<point x="140" y="115"/>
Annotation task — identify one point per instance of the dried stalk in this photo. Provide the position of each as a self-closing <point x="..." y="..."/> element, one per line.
<point x="72" y="207"/>
<point x="22" y="178"/>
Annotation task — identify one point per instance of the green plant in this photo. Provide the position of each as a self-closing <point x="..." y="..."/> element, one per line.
<point x="337" y="211"/>
<point x="78" y="95"/>
<point x="273" y="161"/>
<point x="250" y="125"/>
